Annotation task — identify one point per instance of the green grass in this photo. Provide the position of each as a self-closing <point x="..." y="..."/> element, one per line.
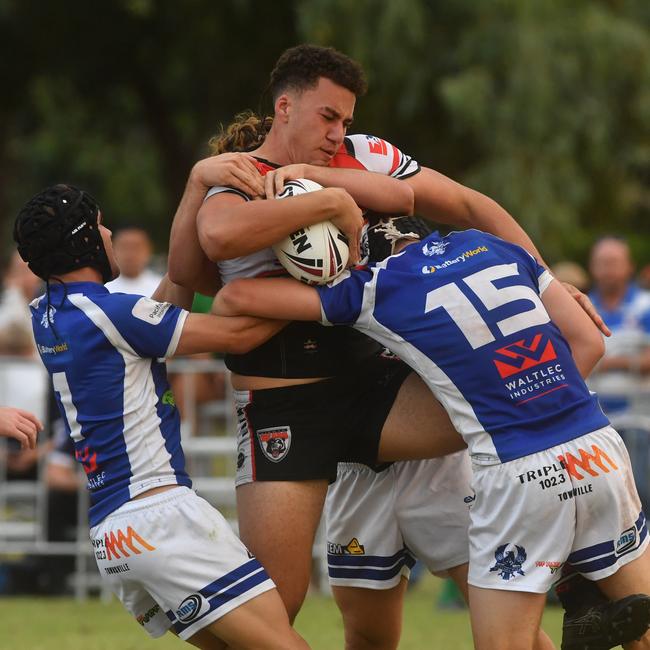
<point x="44" y="624"/>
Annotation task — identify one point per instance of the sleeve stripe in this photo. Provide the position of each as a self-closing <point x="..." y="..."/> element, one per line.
<point x="396" y="159"/>
<point x="225" y="190"/>
<point x="176" y="336"/>
<point x="544" y="281"/>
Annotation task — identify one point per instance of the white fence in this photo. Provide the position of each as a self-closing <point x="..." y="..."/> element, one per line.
<point x="208" y="436"/>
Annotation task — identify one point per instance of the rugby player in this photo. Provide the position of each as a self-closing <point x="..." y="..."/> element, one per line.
<point x="504" y="348"/>
<point x="327" y="394"/>
<point x="168" y="555"/>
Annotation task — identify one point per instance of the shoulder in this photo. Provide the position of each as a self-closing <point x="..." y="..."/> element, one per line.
<point x="375" y="154"/>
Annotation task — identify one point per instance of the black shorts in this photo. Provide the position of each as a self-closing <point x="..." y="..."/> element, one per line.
<point x="298" y="433"/>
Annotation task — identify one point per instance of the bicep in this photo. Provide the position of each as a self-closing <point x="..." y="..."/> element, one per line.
<point x="438" y="197"/>
<point x="575" y="325"/>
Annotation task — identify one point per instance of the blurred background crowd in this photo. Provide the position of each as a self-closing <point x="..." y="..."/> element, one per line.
<point x="544" y="106"/>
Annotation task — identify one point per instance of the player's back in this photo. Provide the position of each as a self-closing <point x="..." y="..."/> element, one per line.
<point x="465" y="312"/>
<point x="102" y="352"/>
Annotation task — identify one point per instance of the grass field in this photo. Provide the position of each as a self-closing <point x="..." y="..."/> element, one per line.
<point x="44" y="624"/>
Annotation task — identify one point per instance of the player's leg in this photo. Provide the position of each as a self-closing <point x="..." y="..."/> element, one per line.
<point x="277" y="523"/>
<point x="367" y="561"/>
<point x="632" y="578"/>
<point x="287" y="448"/>
<point x="505" y="620"/>
<point x="372" y="617"/>
<point x="417" y="426"/>
<point x="611" y="542"/>
<point x="259" y="624"/>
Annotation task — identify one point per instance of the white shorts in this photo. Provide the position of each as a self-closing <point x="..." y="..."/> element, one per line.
<point x="574" y="503"/>
<point x="378" y="523"/>
<point x="174" y="561"/>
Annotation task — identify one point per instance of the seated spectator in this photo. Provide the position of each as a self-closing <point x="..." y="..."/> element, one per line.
<point x="625" y="308"/>
<point x="133" y="251"/>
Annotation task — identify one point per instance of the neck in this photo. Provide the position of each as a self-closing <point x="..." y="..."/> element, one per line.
<point x="85" y="274"/>
<point x="613" y="296"/>
<point x="274" y="149"/>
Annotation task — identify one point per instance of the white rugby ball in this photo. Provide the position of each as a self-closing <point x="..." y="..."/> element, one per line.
<point x="315" y="254"/>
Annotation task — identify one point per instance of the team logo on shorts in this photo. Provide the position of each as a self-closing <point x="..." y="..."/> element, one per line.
<point x="627" y="541"/>
<point x="191" y="608"/>
<point x="351" y="548"/>
<point x="275" y="442"/>
<point x="509" y="561"/>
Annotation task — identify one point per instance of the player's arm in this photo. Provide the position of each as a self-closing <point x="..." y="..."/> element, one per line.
<point x="21" y="425"/>
<point x="578" y="329"/>
<point x="188" y="264"/>
<point x="439" y="198"/>
<point x="229" y="226"/>
<point x="373" y="191"/>
<point x="269" y="298"/>
<point x="168" y="291"/>
<point x="239" y="335"/>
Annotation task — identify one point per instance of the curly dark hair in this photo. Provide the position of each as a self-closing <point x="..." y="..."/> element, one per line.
<point x="301" y="67"/>
<point x="245" y="133"/>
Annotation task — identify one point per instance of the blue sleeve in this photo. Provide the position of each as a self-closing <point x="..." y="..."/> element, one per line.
<point x="645" y="321"/>
<point x="342" y="299"/>
<point x="149" y="328"/>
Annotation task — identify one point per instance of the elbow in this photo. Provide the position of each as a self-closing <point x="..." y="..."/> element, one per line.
<point x="215" y="245"/>
<point x="598" y="348"/>
<point x="231" y="300"/>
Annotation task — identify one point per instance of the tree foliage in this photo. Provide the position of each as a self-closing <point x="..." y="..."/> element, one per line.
<point x="543" y="105"/>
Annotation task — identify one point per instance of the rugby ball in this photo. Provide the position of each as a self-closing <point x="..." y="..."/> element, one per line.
<point x="315" y="254"/>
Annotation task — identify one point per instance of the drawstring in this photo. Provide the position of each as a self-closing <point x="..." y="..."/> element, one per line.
<point x="49" y="317"/>
<point x="391" y="233"/>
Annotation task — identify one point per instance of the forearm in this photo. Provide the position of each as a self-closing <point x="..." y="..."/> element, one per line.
<point x="167" y="291"/>
<point x="275" y="298"/>
<point x="370" y="190"/>
<point x="188" y="264"/>
<point x="241" y="228"/>
<point x="441" y="199"/>
<point x="639" y="363"/>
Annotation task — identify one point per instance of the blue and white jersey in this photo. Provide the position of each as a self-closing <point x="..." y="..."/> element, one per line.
<point x="105" y="353"/>
<point x="464" y="311"/>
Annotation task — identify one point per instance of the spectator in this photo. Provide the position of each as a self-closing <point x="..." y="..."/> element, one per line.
<point x="19" y="288"/>
<point x="21" y="425"/>
<point x="626" y="310"/>
<point x="572" y="273"/>
<point x="133" y="250"/>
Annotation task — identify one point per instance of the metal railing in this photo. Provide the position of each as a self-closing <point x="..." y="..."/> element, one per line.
<point x="24" y="503"/>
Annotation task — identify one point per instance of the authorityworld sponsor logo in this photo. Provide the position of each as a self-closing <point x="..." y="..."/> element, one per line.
<point x="529" y="368"/>
<point x="463" y="257"/>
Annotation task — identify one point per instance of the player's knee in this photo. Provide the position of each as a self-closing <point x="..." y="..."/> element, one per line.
<point x="369" y="635"/>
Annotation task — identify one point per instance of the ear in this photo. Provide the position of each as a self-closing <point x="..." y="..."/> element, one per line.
<point x="283" y="108"/>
